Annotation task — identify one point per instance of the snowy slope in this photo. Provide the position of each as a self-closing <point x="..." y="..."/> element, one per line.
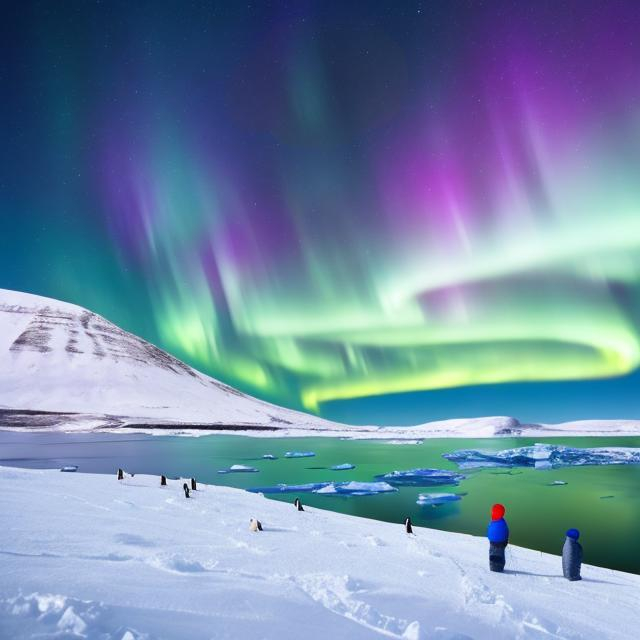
<point x="56" y="356"/>
<point x="88" y="556"/>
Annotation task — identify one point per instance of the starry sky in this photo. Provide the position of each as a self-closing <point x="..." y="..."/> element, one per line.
<point x="380" y="212"/>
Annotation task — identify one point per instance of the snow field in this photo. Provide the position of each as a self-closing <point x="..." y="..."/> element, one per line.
<point x="89" y="556"/>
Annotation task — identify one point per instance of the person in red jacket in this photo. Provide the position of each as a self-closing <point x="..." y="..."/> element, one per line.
<point x="498" y="534"/>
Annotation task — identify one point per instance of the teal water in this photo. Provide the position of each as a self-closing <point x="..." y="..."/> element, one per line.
<point x="602" y="501"/>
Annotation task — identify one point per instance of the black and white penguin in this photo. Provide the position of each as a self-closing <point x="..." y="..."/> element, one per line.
<point x="407" y="526"/>
<point x="163" y="481"/>
<point x="193" y="484"/>
<point x="255" y="525"/>
<point x="186" y="490"/>
<point x="120" y="474"/>
<point x="297" y="504"/>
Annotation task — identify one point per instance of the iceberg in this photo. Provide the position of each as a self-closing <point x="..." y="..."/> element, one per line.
<point x="239" y="468"/>
<point x="544" y="456"/>
<point x="421" y="477"/>
<point x="342" y="467"/>
<point x="299" y="454"/>
<point x="330" y="488"/>
<point x="435" y="499"/>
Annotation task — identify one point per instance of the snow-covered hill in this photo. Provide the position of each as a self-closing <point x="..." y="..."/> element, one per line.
<point x="59" y="357"/>
<point x="87" y="556"/>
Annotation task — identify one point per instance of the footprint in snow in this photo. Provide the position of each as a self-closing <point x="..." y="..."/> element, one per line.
<point x="375" y="542"/>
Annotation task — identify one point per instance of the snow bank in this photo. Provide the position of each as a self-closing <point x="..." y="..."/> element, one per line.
<point x="88" y="556"/>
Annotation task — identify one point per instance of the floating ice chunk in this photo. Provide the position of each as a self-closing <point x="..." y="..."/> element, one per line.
<point x="291" y="488"/>
<point x="326" y="490"/>
<point x="544" y="456"/>
<point x="330" y="488"/>
<point x="435" y="499"/>
<point x="269" y="456"/>
<point x="70" y="468"/>
<point x="401" y="442"/>
<point x="557" y="483"/>
<point x="342" y="467"/>
<point x="239" y="468"/>
<point x="421" y="477"/>
<point x="299" y="454"/>
<point x="362" y="488"/>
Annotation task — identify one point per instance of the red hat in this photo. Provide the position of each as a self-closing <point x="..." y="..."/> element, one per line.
<point x="497" y="511"/>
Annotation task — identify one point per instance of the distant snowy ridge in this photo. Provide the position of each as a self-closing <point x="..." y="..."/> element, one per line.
<point x="65" y="368"/>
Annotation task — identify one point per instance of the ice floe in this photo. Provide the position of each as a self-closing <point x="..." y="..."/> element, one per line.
<point x="421" y="477"/>
<point x="269" y="456"/>
<point x="435" y="499"/>
<point x="239" y="468"/>
<point x="342" y="467"/>
<point x="299" y="454"/>
<point x="544" y="456"/>
<point x="330" y="488"/>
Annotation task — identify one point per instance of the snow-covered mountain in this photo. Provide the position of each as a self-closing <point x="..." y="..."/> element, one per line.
<point x="59" y="357"/>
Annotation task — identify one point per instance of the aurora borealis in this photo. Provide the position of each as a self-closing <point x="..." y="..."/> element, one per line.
<point x="333" y="205"/>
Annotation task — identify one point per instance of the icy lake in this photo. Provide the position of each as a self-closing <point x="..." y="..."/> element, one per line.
<point x="602" y="501"/>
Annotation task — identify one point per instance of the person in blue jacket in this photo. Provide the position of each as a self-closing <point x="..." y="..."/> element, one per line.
<point x="572" y="556"/>
<point x="498" y="534"/>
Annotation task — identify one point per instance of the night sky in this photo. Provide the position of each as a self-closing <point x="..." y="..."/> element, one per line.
<point x="382" y="212"/>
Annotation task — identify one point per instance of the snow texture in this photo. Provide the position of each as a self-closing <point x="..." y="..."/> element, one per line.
<point x="544" y="456"/>
<point x="87" y="556"/>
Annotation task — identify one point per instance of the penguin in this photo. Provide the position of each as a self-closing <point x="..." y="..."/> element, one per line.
<point x="120" y="474"/>
<point x="407" y="526"/>
<point x="186" y="490"/>
<point x="193" y="484"/>
<point x="255" y="525"/>
<point x="163" y="481"/>
<point x="297" y="504"/>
